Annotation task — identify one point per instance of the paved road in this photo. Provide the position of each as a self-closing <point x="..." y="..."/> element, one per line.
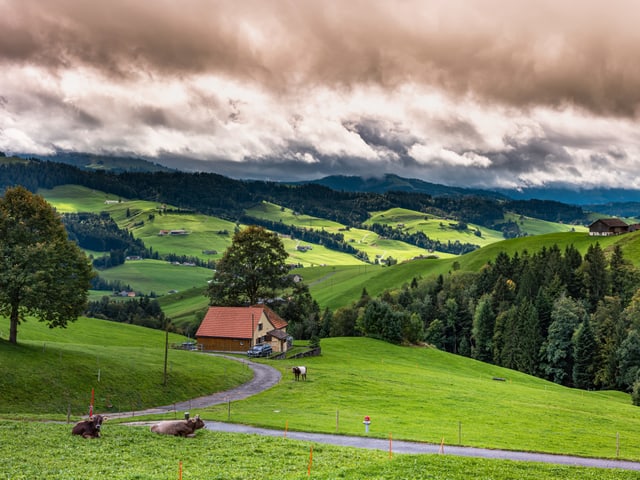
<point x="417" y="447"/>
<point x="266" y="377"/>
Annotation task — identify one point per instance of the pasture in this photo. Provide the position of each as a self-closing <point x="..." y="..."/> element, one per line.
<point x="427" y="395"/>
<point x="410" y="392"/>
<point x="51" y="371"/>
<point x="158" y="276"/>
<point x="436" y="228"/>
<point x="364" y="240"/>
<point x="49" y="451"/>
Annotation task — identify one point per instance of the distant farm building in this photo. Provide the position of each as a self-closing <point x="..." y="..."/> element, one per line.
<point x="236" y="329"/>
<point x="608" y="226"/>
<point x="304" y="248"/>
<point x="172" y="232"/>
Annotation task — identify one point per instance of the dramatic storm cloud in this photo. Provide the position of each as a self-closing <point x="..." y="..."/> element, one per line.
<point x="464" y="92"/>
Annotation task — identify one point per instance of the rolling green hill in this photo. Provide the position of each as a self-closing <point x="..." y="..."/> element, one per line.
<point x="334" y="287"/>
<point x="364" y="240"/>
<point x="335" y="279"/>
<point x="414" y="393"/>
<point x="52" y="371"/>
<point x="427" y="395"/>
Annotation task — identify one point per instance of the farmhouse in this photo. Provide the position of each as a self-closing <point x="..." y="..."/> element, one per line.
<point x="236" y="329"/>
<point x="608" y="226"/>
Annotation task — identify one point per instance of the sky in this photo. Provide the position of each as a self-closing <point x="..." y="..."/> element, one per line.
<point x="475" y="93"/>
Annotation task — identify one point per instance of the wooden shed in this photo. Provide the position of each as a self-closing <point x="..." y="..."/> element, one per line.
<point x="608" y="226"/>
<point x="236" y="329"/>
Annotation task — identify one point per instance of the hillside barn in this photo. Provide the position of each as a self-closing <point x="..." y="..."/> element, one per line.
<point x="608" y="226"/>
<point x="236" y="329"/>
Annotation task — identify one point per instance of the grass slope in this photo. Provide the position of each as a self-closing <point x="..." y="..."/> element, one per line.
<point x="427" y="395"/>
<point x="53" y="370"/>
<point x="158" y="276"/>
<point x="364" y="240"/>
<point x="337" y="286"/>
<point x="436" y="228"/>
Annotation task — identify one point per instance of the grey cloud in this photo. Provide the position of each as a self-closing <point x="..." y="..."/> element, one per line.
<point x="380" y="133"/>
<point x="515" y="52"/>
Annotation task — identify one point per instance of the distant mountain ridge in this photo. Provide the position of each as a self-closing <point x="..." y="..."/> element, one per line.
<point x="390" y="182"/>
<point x="115" y="164"/>
<point x="603" y="200"/>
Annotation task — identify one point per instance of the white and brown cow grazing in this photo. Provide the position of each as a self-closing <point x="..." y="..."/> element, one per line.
<point x="89" y="428"/>
<point x="179" y="428"/>
<point x="300" y="372"/>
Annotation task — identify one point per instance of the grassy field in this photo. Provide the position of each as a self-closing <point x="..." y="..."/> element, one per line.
<point x="52" y="371"/>
<point x="158" y="276"/>
<point x="364" y="240"/>
<point x="427" y="395"/>
<point x="436" y="228"/>
<point x="336" y="286"/>
<point x="411" y="393"/>
<point x="124" y="452"/>
<point x="535" y="226"/>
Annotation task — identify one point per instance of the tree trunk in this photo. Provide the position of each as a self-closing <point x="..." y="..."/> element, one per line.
<point x="13" y="329"/>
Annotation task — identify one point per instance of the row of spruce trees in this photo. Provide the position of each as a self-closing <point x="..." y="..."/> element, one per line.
<point x="568" y="318"/>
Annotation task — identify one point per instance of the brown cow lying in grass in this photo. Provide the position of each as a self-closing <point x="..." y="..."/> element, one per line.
<point x="89" y="428"/>
<point x="179" y="428"/>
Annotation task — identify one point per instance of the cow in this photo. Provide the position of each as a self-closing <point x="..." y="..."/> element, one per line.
<point x="299" y="372"/>
<point x="89" y="428"/>
<point x="179" y="428"/>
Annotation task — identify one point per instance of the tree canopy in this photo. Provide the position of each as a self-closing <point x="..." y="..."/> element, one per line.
<point x="42" y="272"/>
<point x="252" y="268"/>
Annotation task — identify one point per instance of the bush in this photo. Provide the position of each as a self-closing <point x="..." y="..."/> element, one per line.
<point x="635" y="393"/>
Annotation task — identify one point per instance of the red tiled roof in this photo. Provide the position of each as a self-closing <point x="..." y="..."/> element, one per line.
<point x="236" y="322"/>
<point x="274" y="318"/>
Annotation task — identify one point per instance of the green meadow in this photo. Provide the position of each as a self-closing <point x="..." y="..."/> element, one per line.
<point x="123" y="452"/>
<point x="434" y="227"/>
<point x="364" y="240"/>
<point x="409" y="393"/>
<point x="158" y="276"/>
<point x="427" y="395"/>
<point x="51" y="371"/>
<point x="535" y="226"/>
<point x="336" y="286"/>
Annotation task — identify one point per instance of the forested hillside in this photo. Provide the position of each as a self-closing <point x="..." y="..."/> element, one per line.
<point x="559" y="315"/>
<point x="217" y="195"/>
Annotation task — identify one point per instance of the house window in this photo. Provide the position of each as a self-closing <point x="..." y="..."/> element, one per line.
<point x="260" y="327"/>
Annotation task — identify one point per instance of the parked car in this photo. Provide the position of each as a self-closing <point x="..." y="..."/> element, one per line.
<point x="261" y="350"/>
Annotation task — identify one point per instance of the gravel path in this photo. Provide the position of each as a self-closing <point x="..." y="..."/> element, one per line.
<point x="266" y="377"/>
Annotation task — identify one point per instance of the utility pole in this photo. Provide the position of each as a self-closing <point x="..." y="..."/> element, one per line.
<point x="166" y="351"/>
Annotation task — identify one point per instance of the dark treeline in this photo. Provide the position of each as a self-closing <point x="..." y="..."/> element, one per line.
<point x="142" y="311"/>
<point x="213" y="194"/>
<point x="555" y="314"/>
<point x="99" y="283"/>
<point x="100" y="233"/>
<point x="189" y="260"/>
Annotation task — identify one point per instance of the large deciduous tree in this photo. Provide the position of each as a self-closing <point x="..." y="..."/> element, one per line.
<point x="42" y="273"/>
<point x="253" y="267"/>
